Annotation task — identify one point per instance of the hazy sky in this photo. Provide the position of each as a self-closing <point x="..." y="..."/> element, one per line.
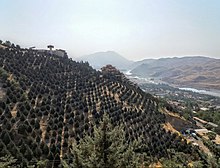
<point x="136" y="29"/>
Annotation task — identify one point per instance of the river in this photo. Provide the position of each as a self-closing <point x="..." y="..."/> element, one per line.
<point x="156" y="81"/>
<point x="208" y="92"/>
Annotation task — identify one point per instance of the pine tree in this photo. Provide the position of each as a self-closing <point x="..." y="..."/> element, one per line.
<point x="7" y="161"/>
<point x="107" y="148"/>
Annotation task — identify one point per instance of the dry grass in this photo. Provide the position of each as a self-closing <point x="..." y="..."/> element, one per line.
<point x="167" y="126"/>
<point x="14" y="110"/>
<point x="10" y="78"/>
<point x="43" y="126"/>
<point x="217" y="139"/>
<point x="165" y="111"/>
<point x="155" y="165"/>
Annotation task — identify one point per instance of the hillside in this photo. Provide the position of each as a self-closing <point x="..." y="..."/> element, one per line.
<point x="197" y="72"/>
<point x="49" y="102"/>
<point x="100" y="59"/>
<point x="138" y="63"/>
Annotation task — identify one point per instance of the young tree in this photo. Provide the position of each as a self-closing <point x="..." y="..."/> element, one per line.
<point x="106" y="148"/>
<point x="7" y="161"/>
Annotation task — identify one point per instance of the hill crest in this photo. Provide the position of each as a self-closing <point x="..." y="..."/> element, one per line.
<point x="100" y="59"/>
<point x="51" y="101"/>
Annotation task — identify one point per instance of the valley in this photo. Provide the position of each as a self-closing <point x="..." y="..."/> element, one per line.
<point x="110" y="84"/>
<point x="189" y="112"/>
<point x="198" y="72"/>
<point x="52" y="106"/>
<point x="187" y="72"/>
<point x="186" y="102"/>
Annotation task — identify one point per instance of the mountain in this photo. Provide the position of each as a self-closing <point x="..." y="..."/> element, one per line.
<point x="199" y="72"/>
<point x="100" y="59"/>
<point x="138" y="63"/>
<point x="48" y="102"/>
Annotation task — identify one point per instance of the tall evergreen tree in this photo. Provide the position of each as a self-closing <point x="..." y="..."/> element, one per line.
<point x="107" y="148"/>
<point x="7" y="161"/>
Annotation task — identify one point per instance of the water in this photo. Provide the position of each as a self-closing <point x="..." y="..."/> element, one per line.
<point x="208" y="92"/>
<point x="128" y="73"/>
<point x="156" y="81"/>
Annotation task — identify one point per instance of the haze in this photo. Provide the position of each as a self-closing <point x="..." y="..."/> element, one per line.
<point x="136" y="29"/>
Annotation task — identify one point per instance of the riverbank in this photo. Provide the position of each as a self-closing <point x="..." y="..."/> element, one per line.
<point x="207" y="92"/>
<point x="142" y="80"/>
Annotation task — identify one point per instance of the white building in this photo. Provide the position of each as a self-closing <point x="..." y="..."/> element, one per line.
<point x="57" y="52"/>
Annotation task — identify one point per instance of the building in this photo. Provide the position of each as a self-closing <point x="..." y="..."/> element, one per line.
<point x="60" y="53"/>
<point x="212" y="124"/>
<point x="50" y="48"/>
<point x="200" y="120"/>
<point x="202" y="131"/>
<point x="57" y="52"/>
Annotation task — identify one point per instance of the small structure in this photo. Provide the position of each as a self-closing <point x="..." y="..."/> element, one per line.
<point x="51" y="48"/>
<point x="200" y="120"/>
<point x="31" y="48"/>
<point x="205" y="122"/>
<point x="188" y="131"/>
<point x="109" y="69"/>
<point x="195" y="144"/>
<point x="60" y="53"/>
<point x="57" y="52"/>
<point x="203" y="108"/>
<point x="212" y="124"/>
<point x="202" y="131"/>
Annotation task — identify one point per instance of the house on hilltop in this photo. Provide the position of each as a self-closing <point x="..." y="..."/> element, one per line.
<point x="60" y="53"/>
<point x="56" y="52"/>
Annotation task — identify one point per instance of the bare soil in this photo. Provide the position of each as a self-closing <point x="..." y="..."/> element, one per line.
<point x="180" y="124"/>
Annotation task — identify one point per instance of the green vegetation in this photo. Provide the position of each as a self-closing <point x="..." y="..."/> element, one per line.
<point x="211" y="135"/>
<point x="107" y="148"/>
<point x="187" y="103"/>
<point x="7" y="161"/>
<point x="3" y="74"/>
<point x="51" y="102"/>
<point x="213" y="147"/>
<point x="211" y="115"/>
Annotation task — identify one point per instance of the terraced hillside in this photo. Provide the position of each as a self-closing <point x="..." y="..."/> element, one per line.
<point x="47" y="102"/>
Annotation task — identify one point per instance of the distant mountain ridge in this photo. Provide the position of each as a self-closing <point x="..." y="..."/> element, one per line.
<point x="195" y="71"/>
<point x="100" y="59"/>
<point x="50" y="102"/>
<point x="190" y="71"/>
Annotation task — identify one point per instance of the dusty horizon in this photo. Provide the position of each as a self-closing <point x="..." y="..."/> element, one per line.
<point x="135" y="29"/>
